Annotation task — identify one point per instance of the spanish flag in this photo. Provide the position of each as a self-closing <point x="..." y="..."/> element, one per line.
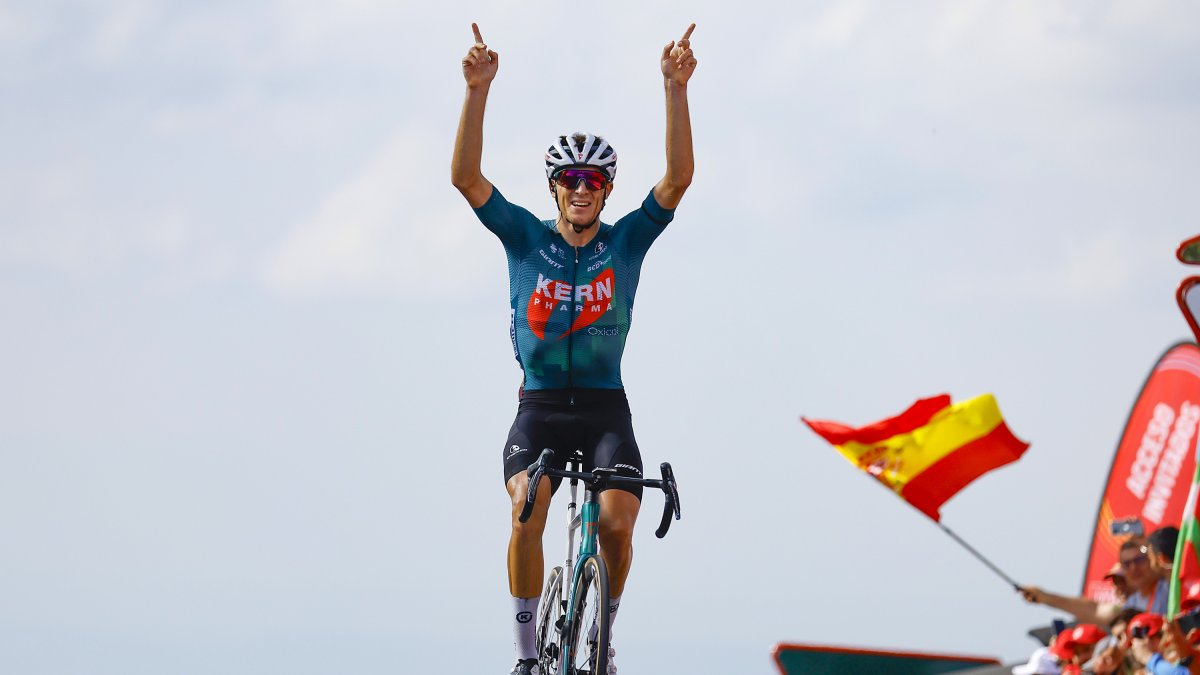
<point x="929" y="452"/>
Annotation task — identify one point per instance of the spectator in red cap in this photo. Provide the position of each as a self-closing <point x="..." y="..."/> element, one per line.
<point x="1075" y="646"/>
<point x="1145" y="633"/>
<point x="1189" y="594"/>
<point x="1189" y="600"/>
<point x="1112" y="657"/>
<point x="1176" y="655"/>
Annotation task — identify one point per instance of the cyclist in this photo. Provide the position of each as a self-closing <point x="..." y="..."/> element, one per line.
<point x="572" y="282"/>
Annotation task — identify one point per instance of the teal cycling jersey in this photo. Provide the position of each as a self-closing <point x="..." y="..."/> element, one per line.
<point x="571" y="307"/>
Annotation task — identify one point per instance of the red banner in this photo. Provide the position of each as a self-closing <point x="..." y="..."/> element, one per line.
<point x="1154" y="463"/>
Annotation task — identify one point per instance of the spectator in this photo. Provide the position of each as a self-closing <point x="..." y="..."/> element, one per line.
<point x="1040" y="663"/>
<point x="1145" y="633"/>
<point x="1189" y="592"/>
<point x="1116" y="576"/>
<point x="1189" y="601"/>
<point x="1161" y="543"/>
<point x="1175" y="656"/>
<point x="1148" y="589"/>
<point x="1074" y="647"/>
<point x="1112" y="653"/>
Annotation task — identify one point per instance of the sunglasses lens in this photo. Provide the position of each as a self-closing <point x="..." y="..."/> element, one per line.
<point x="571" y="177"/>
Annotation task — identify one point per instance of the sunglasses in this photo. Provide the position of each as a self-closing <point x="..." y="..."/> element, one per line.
<point x="1126" y="564"/>
<point x="569" y="179"/>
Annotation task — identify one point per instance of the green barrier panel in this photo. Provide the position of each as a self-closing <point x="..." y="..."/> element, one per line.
<point x="816" y="660"/>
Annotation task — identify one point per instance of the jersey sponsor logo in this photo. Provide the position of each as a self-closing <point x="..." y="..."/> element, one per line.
<point x="545" y="257"/>
<point x="598" y="264"/>
<point x="603" y="332"/>
<point x="627" y="466"/>
<point x="558" y="250"/>
<point x="512" y="332"/>
<point x="591" y="301"/>
<point x="524" y="617"/>
<point x="516" y="450"/>
<point x="600" y="247"/>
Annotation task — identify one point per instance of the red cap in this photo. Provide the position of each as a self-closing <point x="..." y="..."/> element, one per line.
<point x="1190" y="594"/>
<point x="1153" y="622"/>
<point x="1083" y="634"/>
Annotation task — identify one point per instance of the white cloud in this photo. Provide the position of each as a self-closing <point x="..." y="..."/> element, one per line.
<point x="396" y="226"/>
<point x="839" y="23"/>
<point x="18" y="29"/>
<point x="119" y="29"/>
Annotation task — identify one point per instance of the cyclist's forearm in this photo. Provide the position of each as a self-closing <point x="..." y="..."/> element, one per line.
<point x="465" y="172"/>
<point x="680" y="160"/>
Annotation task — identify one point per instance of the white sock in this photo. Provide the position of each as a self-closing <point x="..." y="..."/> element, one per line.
<point x="613" y="605"/>
<point x="525" y="628"/>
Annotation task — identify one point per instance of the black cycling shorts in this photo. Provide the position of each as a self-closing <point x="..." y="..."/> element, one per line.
<point x="597" y="422"/>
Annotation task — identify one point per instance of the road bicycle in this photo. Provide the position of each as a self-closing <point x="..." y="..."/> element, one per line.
<point x="573" y="622"/>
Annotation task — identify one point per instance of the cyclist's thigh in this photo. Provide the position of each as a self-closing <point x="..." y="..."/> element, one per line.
<point x="532" y="431"/>
<point x="615" y="447"/>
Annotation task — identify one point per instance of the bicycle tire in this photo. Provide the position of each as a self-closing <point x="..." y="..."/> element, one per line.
<point x="588" y="607"/>
<point x="551" y="612"/>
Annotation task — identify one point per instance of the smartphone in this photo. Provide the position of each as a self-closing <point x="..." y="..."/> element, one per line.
<point x="1127" y="527"/>
<point x="1189" y="621"/>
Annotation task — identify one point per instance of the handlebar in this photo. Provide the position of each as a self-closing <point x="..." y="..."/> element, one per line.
<point x="535" y="471"/>
<point x="604" y="477"/>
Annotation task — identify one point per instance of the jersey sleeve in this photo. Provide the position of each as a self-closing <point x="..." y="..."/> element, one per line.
<point x="514" y="225"/>
<point x="641" y="227"/>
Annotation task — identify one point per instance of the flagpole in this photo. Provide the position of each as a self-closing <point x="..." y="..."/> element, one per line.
<point x="975" y="553"/>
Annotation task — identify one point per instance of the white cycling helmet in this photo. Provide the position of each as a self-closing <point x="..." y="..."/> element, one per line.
<point x="578" y="150"/>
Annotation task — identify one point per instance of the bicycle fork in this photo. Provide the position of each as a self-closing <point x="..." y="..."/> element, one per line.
<point x="585" y="523"/>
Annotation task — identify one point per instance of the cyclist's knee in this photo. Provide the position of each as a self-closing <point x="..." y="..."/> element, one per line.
<point x="518" y="487"/>
<point x="616" y="532"/>
<point x="618" y="514"/>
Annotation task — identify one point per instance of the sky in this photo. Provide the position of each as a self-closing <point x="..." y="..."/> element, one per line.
<point x="255" y="377"/>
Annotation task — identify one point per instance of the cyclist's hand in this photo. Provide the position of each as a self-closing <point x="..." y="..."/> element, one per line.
<point x="678" y="61"/>
<point x="480" y="63"/>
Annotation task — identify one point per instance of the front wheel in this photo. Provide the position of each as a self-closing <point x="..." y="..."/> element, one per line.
<point x="551" y="613"/>
<point x="586" y="634"/>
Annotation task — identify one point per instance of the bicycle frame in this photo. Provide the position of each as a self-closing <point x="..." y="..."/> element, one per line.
<point x="585" y="522"/>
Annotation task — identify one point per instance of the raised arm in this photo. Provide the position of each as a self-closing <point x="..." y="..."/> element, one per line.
<point x="479" y="69"/>
<point x="678" y="64"/>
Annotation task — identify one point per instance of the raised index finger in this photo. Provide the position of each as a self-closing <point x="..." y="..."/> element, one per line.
<point x="479" y="38"/>
<point x="687" y="34"/>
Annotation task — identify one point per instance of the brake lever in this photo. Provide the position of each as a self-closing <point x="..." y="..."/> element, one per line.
<point x="535" y="472"/>
<point x="671" y="503"/>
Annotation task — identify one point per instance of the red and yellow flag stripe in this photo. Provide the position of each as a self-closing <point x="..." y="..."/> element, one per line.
<point x="930" y="451"/>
